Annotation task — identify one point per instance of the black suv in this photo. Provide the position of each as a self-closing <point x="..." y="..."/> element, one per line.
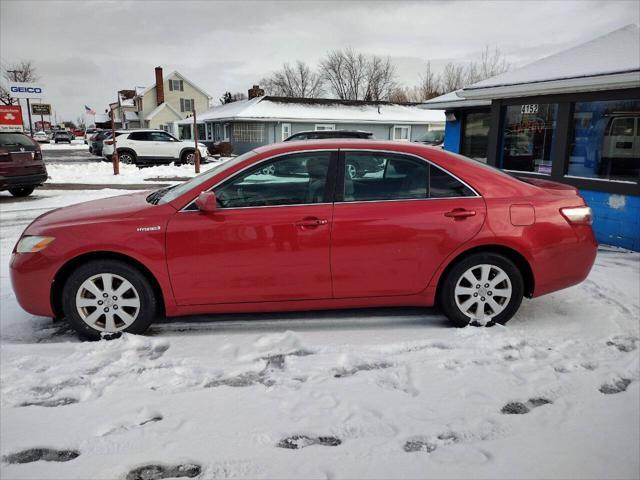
<point x="21" y="166"/>
<point x="322" y="134"/>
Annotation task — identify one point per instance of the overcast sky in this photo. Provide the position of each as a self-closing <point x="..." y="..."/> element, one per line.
<point x="87" y="50"/>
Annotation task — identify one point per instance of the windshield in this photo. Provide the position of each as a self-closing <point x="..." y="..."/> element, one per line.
<point x="167" y="195"/>
<point x="435" y="136"/>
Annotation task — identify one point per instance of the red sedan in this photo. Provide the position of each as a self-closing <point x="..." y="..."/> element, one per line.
<point x="293" y="227"/>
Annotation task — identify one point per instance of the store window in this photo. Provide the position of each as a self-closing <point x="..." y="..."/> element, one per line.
<point x="475" y="135"/>
<point x="201" y="132"/>
<point x="604" y="141"/>
<point x="528" y="137"/>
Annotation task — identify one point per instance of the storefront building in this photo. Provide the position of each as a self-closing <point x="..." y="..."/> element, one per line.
<point x="573" y="117"/>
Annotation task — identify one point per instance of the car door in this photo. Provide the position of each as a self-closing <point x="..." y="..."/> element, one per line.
<point x="268" y="240"/>
<point x="165" y="146"/>
<point x="393" y="227"/>
<point x="140" y="142"/>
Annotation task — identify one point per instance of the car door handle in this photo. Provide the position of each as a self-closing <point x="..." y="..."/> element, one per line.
<point x="311" y="222"/>
<point x="460" y="213"/>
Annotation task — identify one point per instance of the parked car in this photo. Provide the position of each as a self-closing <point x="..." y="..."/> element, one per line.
<point x="323" y="134"/>
<point x="88" y="133"/>
<point x="151" y="147"/>
<point x="95" y="142"/>
<point x="433" y="138"/>
<point x="434" y="228"/>
<point x="62" y="136"/>
<point x="21" y="166"/>
<point x="77" y="132"/>
<point x="41" y="137"/>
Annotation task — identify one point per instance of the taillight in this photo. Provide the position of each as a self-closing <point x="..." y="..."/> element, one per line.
<point x="37" y="155"/>
<point x="108" y="142"/>
<point x="577" y="215"/>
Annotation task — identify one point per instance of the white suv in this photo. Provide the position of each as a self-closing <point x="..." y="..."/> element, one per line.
<point x="151" y="147"/>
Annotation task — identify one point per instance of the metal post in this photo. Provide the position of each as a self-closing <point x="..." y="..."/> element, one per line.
<point x="196" y="153"/>
<point x="114" y="158"/>
<point x="29" y="112"/>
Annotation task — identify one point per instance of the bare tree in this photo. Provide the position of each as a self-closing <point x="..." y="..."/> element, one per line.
<point x="491" y="63"/>
<point x="23" y="71"/>
<point x="294" y="81"/>
<point x="429" y="86"/>
<point x="401" y="94"/>
<point x="229" y="97"/>
<point x="453" y="77"/>
<point x="355" y="76"/>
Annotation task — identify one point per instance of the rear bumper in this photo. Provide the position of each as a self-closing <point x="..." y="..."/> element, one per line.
<point x="22" y="180"/>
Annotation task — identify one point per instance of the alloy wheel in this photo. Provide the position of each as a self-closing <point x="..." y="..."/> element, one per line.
<point x="483" y="292"/>
<point x="107" y="302"/>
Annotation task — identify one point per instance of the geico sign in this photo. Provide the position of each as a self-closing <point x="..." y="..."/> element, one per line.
<point x="26" y="89"/>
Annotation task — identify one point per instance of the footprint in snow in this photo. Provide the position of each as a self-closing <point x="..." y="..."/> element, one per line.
<point x="45" y="454"/>
<point x="159" y="472"/>
<point x="55" y="402"/>
<point x="128" y="426"/>
<point x="430" y="444"/>
<point x="519" y="408"/>
<point x="365" y="367"/>
<point x="617" y="386"/>
<point x="296" y="442"/>
<point x="624" y="343"/>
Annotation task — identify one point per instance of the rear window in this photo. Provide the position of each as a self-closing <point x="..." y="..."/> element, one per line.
<point x="12" y="139"/>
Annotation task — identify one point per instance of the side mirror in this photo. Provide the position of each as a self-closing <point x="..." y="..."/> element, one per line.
<point x="206" y="202"/>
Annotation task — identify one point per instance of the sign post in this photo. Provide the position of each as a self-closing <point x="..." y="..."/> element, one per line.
<point x="28" y="91"/>
<point x="196" y="152"/>
<point x="114" y="157"/>
<point x="11" y="118"/>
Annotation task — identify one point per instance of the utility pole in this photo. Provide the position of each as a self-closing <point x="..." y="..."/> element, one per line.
<point x="196" y="153"/>
<point x="114" y="157"/>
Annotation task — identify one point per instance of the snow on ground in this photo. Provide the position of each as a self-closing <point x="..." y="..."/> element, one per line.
<point x="102" y="173"/>
<point x="77" y="144"/>
<point x="376" y="393"/>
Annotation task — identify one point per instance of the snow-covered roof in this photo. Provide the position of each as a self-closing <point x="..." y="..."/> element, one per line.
<point x="159" y="108"/>
<point x="320" y="110"/>
<point x="453" y="100"/>
<point x="606" y="62"/>
<point x="124" y="100"/>
<point x="129" y="115"/>
<point x="101" y="118"/>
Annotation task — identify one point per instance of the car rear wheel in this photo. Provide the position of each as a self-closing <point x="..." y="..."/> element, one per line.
<point x="21" y="191"/>
<point x="482" y="289"/>
<point x="127" y="157"/>
<point x="108" y="297"/>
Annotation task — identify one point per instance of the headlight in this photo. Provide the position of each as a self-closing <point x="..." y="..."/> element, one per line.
<point x="32" y="244"/>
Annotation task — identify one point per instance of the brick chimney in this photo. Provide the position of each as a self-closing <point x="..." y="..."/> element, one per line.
<point x="256" y="91"/>
<point x="159" y="86"/>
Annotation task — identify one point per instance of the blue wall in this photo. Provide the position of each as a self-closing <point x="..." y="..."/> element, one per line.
<point x="616" y="218"/>
<point x="452" y="133"/>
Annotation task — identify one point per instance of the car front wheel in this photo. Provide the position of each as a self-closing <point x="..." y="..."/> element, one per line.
<point x="108" y="297"/>
<point x="482" y="289"/>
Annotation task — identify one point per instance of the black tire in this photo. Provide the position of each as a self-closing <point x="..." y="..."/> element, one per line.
<point x="127" y="157"/>
<point x="148" y="300"/>
<point x="447" y="300"/>
<point x="184" y="157"/>
<point x="21" y="191"/>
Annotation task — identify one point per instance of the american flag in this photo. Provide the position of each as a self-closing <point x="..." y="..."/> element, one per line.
<point x="89" y="110"/>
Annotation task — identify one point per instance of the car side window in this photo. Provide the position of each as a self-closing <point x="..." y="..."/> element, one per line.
<point x="139" y="136"/>
<point x="293" y="179"/>
<point x="161" y="137"/>
<point x="384" y="176"/>
<point x="444" y="185"/>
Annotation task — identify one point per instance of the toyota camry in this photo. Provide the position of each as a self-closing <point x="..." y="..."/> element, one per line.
<point x="424" y="227"/>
